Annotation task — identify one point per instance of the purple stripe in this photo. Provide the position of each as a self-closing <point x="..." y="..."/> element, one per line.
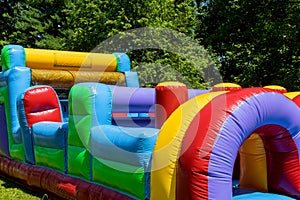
<point x="139" y="100"/>
<point x="4" y="151"/>
<point x="135" y="100"/>
<point x="258" y="110"/>
<point x="194" y="92"/>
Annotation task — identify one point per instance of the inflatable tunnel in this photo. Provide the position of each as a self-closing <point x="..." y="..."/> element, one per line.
<point x="197" y="146"/>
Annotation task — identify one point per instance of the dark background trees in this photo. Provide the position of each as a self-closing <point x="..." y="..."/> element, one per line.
<point x="257" y="41"/>
<point x="254" y="42"/>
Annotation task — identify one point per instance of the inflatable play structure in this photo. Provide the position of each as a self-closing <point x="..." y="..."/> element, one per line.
<point x="111" y="139"/>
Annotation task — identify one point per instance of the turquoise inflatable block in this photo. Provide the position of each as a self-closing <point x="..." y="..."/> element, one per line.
<point x="123" y="62"/>
<point x="132" y="79"/>
<point x="261" y="196"/>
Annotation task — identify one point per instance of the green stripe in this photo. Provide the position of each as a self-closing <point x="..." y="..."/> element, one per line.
<point x="117" y="62"/>
<point x="80" y="118"/>
<point x="80" y="123"/>
<point x="5" y="59"/>
<point x="49" y="157"/>
<point x="126" y="178"/>
<point x="79" y="162"/>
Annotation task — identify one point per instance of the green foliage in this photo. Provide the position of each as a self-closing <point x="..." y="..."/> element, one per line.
<point x="32" y="23"/>
<point x="107" y="23"/>
<point x="9" y="190"/>
<point x="255" y="40"/>
<point x="83" y="25"/>
<point x="161" y="54"/>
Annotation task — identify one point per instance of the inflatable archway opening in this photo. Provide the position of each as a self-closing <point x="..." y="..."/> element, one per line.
<point x="254" y="156"/>
<point x="204" y="169"/>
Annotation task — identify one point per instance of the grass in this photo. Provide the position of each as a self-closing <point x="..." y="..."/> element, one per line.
<point x="13" y="191"/>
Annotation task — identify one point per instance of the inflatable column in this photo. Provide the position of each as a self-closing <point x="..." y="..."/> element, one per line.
<point x="169" y="95"/>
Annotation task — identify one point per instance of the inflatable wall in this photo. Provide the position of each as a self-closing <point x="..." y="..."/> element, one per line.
<point x="62" y="69"/>
<point x="121" y="142"/>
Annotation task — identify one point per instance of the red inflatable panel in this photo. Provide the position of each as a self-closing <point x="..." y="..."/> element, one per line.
<point x="283" y="168"/>
<point x="4" y="165"/>
<point x="297" y="100"/>
<point x="41" y="104"/>
<point x="60" y="184"/>
<point x="94" y="191"/>
<point x="168" y="98"/>
<point x="34" y="176"/>
<point x="83" y="190"/>
<point x="19" y="170"/>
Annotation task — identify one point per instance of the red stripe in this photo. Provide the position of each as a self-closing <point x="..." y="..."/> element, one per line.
<point x="297" y="100"/>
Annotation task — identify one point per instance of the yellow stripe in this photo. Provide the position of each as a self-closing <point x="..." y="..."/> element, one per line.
<point x="67" y="78"/>
<point x="291" y="95"/>
<point x="171" y="83"/>
<point x="222" y="85"/>
<point x="275" y="87"/>
<point x="167" y="148"/>
<point x="68" y="60"/>
<point x="253" y="161"/>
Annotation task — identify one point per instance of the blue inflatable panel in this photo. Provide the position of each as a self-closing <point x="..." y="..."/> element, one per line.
<point x="261" y="196"/>
<point x="15" y="77"/>
<point x="126" y="145"/>
<point x="13" y="56"/>
<point x="139" y="121"/>
<point x="132" y="79"/>
<point x="64" y="109"/>
<point x="50" y="134"/>
<point x="132" y="100"/>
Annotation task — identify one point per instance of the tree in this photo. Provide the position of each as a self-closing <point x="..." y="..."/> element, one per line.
<point x="32" y="23"/>
<point x="82" y="25"/>
<point x="91" y="23"/>
<point x="255" y="41"/>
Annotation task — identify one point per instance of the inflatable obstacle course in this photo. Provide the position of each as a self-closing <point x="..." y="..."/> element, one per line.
<point x="109" y="146"/>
